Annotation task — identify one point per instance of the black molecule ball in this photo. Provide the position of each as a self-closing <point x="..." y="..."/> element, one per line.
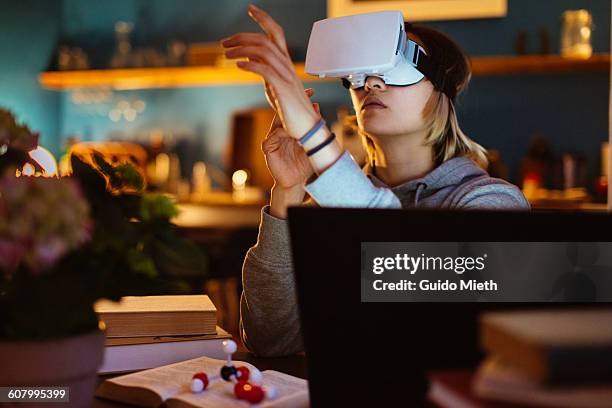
<point x="227" y="372"/>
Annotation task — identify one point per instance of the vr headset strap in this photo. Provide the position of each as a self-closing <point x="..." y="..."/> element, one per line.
<point x="435" y="73"/>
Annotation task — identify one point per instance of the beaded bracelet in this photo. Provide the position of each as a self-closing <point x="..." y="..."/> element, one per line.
<point x="311" y="132"/>
<point x="322" y="145"/>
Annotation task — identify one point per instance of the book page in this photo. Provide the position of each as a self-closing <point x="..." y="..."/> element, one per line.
<point x="172" y="379"/>
<point x="292" y="392"/>
<point x="122" y="341"/>
<point x="148" y="304"/>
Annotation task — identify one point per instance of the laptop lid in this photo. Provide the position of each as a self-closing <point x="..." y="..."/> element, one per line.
<point x="370" y="352"/>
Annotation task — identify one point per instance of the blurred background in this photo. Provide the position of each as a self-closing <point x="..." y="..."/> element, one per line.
<point x="145" y="80"/>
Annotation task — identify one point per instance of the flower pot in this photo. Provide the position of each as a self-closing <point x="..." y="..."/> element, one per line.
<point x="67" y="362"/>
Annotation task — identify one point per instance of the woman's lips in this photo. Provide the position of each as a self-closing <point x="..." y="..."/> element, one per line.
<point x="373" y="106"/>
<point x="373" y="103"/>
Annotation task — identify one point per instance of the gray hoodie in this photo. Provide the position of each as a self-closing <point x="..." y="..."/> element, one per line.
<point x="269" y="319"/>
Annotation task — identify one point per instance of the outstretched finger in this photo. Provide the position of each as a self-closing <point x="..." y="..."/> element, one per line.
<point x="262" y="54"/>
<point x="270" y="27"/>
<point x="260" y="39"/>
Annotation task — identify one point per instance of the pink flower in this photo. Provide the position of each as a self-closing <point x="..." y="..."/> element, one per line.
<point x="41" y="219"/>
<point x="46" y="253"/>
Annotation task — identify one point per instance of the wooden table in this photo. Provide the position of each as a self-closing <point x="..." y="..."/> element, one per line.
<point x="293" y="365"/>
<point x="201" y="216"/>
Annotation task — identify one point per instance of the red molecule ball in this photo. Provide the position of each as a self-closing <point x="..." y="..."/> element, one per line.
<point x="202" y="377"/>
<point x="241" y="389"/>
<point x="242" y="373"/>
<point x="255" y="395"/>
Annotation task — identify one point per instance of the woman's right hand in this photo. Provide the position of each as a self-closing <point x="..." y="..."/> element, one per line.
<point x="285" y="157"/>
<point x="268" y="56"/>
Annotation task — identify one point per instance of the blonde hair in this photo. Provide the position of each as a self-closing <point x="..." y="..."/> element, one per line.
<point x="445" y="134"/>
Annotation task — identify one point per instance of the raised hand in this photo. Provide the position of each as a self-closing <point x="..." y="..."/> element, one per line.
<point x="268" y="57"/>
<point x="285" y="157"/>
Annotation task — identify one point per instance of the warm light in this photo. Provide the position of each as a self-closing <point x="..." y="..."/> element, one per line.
<point x="585" y="32"/>
<point x="162" y="168"/>
<point x="239" y="179"/>
<point x="201" y="180"/>
<point x="28" y="170"/>
<point x="45" y="159"/>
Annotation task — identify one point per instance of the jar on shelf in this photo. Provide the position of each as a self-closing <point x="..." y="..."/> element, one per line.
<point x="576" y="34"/>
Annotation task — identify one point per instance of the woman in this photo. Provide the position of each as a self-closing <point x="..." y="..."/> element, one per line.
<point x="418" y="157"/>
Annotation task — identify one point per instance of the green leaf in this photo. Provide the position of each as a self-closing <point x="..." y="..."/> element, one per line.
<point x="141" y="263"/>
<point x="129" y="176"/>
<point x="157" y="206"/>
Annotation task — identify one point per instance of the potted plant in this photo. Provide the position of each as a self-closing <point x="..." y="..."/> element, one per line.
<point x="66" y="243"/>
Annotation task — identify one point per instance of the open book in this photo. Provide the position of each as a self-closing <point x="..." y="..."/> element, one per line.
<point x="171" y="384"/>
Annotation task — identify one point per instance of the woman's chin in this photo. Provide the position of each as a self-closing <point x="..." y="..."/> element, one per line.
<point x="378" y="127"/>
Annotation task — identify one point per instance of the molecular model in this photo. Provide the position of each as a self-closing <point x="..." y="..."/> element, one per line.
<point x="248" y="383"/>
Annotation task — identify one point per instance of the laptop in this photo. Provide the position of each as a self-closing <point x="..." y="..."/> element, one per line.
<point x="375" y="352"/>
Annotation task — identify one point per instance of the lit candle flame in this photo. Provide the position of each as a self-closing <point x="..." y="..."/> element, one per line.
<point x="239" y="179"/>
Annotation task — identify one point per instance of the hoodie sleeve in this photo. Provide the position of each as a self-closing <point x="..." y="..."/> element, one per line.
<point x="344" y="184"/>
<point x="494" y="194"/>
<point x="269" y="318"/>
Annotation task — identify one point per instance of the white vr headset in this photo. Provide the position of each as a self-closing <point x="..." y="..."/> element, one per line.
<point x="371" y="44"/>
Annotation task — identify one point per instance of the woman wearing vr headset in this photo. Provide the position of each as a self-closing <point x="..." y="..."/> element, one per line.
<point x="418" y="156"/>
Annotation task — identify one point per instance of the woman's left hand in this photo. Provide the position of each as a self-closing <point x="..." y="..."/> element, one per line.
<point x="268" y="57"/>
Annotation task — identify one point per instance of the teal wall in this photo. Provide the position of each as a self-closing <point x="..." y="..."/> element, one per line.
<point x="28" y="33"/>
<point x="499" y="112"/>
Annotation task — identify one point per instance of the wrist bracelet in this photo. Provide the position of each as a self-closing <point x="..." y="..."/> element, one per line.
<point x="322" y="145"/>
<point x="312" y="131"/>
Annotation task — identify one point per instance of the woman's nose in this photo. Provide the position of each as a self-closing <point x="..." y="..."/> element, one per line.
<point x="373" y="82"/>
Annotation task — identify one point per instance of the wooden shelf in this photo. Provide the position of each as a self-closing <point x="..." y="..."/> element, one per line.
<point x="538" y="64"/>
<point x="144" y="78"/>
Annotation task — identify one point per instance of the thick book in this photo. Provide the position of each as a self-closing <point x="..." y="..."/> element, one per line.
<point x="123" y="354"/>
<point x="145" y="316"/>
<point x="453" y="389"/>
<point x="170" y="385"/>
<point x="563" y="346"/>
<point x="499" y="381"/>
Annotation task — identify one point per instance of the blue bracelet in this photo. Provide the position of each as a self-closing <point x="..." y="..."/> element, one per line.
<point x="321" y="145"/>
<point x="312" y="131"/>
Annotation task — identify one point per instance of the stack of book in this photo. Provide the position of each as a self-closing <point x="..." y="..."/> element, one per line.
<point x="151" y="331"/>
<point x="557" y="358"/>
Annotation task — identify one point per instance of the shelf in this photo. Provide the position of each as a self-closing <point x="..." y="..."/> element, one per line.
<point x="144" y="78"/>
<point x="538" y="64"/>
